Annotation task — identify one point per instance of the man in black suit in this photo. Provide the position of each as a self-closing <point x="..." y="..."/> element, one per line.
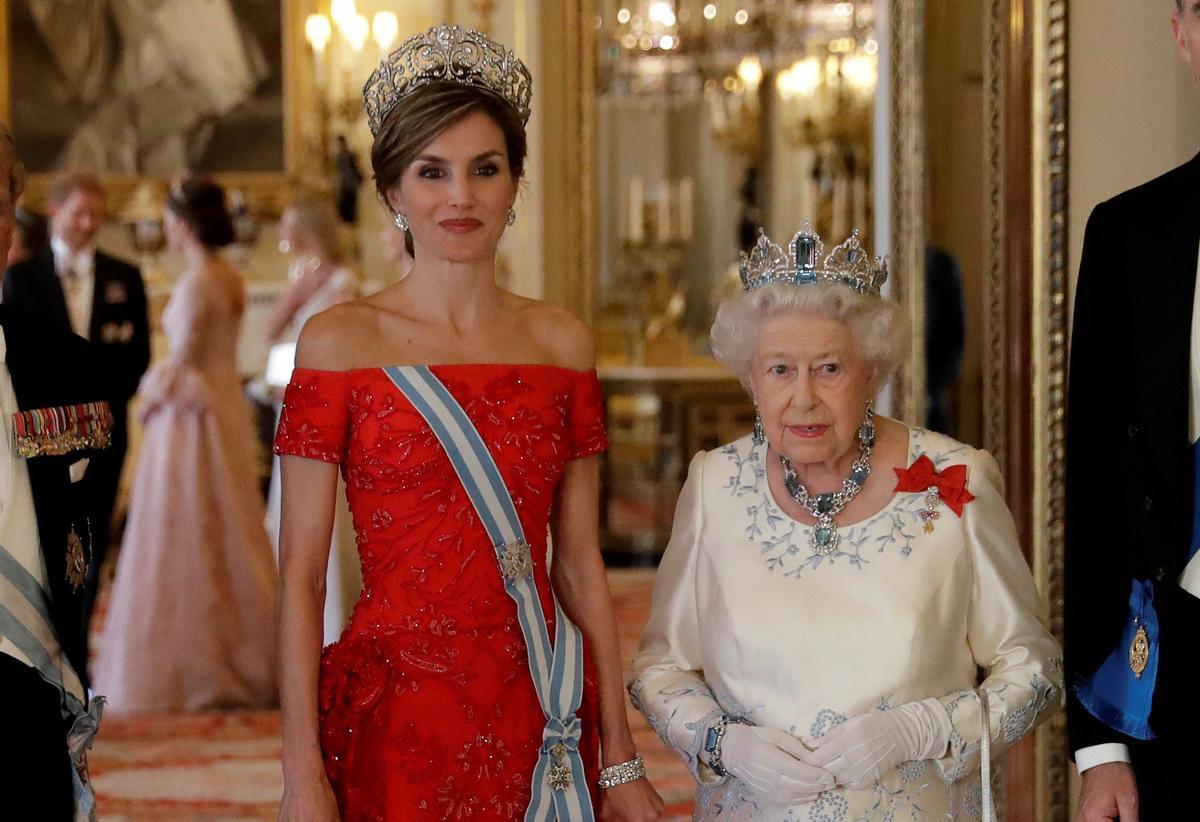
<point x="76" y="287"/>
<point x="1133" y="518"/>
<point x="53" y="422"/>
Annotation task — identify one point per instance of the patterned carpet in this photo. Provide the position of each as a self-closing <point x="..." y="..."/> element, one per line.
<point x="226" y="766"/>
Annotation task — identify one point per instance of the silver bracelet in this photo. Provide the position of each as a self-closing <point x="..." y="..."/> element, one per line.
<point x="615" y="775"/>
<point x="713" y="738"/>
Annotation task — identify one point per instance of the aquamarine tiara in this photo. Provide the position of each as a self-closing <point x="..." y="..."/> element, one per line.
<point x="447" y="54"/>
<point x="847" y="264"/>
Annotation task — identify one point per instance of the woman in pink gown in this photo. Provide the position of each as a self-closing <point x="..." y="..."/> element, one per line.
<point x="191" y="619"/>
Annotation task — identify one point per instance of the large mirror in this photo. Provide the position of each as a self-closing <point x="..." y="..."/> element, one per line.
<point x="703" y="123"/>
<point x="712" y="120"/>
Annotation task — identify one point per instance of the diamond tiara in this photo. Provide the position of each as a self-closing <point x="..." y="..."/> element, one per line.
<point x="848" y="264"/>
<point x="447" y="54"/>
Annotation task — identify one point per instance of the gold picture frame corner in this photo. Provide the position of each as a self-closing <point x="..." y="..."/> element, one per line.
<point x="266" y="193"/>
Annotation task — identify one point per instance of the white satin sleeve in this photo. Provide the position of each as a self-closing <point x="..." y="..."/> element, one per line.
<point x="668" y="683"/>
<point x="1022" y="661"/>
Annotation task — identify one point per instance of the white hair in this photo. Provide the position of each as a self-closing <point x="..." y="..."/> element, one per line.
<point x="879" y="326"/>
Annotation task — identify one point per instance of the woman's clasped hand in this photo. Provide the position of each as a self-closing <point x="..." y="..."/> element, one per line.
<point x="852" y="755"/>
<point x="774" y="763"/>
<point x="865" y="747"/>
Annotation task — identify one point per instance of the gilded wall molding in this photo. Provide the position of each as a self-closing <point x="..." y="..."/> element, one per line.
<point x="993" y="291"/>
<point x="907" y="88"/>
<point x="1050" y="362"/>
<point x="567" y="76"/>
<point x="1043" y="355"/>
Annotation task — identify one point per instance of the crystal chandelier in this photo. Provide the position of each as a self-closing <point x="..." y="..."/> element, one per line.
<point x="819" y="55"/>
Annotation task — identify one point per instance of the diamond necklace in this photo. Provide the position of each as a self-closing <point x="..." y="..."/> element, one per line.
<point x="824" y="538"/>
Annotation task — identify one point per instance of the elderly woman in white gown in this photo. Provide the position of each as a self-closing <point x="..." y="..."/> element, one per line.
<point x="835" y="581"/>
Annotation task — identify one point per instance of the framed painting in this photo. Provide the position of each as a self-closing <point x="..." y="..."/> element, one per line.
<point x="145" y="89"/>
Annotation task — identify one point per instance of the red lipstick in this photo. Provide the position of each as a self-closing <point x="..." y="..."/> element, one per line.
<point x="461" y="226"/>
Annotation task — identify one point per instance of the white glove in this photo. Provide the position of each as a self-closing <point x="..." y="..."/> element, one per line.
<point x="772" y="763"/>
<point x="865" y="747"/>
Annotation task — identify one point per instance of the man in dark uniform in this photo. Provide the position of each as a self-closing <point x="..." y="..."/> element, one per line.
<point x="1133" y="515"/>
<point x="54" y="424"/>
<point x="76" y="287"/>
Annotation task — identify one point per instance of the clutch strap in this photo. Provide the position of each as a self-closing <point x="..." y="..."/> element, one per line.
<point x="985" y="757"/>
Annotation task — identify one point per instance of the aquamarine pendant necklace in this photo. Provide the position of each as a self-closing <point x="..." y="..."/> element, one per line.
<point x="824" y="538"/>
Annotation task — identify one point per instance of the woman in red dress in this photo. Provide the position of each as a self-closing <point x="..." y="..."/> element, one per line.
<point x="426" y="707"/>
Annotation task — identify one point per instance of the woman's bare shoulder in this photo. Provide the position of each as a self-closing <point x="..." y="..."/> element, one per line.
<point x="331" y="338"/>
<point x="566" y="338"/>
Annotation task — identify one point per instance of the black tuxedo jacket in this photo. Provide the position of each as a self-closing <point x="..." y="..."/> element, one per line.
<point x="48" y="369"/>
<point x="1130" y="477"/>
<point x="119" y="328"/>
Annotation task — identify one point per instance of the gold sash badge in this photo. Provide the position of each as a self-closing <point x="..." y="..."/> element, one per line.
<point x="1139" y="652"/>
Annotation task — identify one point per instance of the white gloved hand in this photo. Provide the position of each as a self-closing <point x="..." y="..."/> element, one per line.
<point x="773" y="764"/>
<point x="865" y="747"/>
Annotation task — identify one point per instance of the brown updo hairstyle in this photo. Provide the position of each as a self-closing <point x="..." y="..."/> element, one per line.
<point x="200" y="203"/>
<point x="418" y="120"/>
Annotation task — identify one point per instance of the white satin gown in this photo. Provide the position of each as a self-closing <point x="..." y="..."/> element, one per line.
<point x="747" y="620"/>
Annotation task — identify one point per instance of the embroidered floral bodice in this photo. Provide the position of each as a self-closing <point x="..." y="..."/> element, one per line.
<point x="427" y="708"/>
<point x="748" y="620"/>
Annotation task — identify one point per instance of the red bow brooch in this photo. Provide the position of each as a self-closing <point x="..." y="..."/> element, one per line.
<point x="948" y="486"/>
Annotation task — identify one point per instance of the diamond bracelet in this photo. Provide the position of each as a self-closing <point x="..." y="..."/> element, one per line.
<point x="615" y="775"/>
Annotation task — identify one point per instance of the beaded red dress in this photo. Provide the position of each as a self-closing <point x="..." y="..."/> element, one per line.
<point x="427" y="707"/>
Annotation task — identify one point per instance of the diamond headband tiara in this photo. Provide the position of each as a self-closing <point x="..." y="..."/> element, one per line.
<point x="447" y="54"/>
<point x="801" y="264"/>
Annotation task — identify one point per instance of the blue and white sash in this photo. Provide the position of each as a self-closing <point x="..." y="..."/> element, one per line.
<point x="25" y="622"/>
<point x="559" y="789"/>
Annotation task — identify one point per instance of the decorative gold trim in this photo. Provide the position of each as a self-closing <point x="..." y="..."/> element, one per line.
<point x="267" y="193"/>
<point x="907" y="89"/>
<point x="993" y="289"/>
<point x="1049" y="347"/>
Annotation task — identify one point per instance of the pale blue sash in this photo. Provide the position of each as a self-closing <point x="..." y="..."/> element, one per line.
<point x="559" y="789"/>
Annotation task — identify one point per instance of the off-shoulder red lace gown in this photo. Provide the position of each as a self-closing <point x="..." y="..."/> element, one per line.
<point x="427" y="708"/>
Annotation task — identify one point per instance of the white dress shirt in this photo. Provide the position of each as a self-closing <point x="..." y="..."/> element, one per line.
<point x="77" y="273"/>
<point x="1094" y="755"/>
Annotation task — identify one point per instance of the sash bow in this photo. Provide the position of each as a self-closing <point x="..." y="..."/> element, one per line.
<point x="951" y="482"/>
<point x="565" y="732"/>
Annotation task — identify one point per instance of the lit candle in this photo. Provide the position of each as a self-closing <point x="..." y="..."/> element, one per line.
<point x="685" y="208"/>
<point x="664" y="212"/>
<point x="637" y="211"/>
<point x="813" y="182"/>
<point x="806" y="197"/>
<point x="838" y="230"/>
<point x="860" y="202"/>
<point x="719" y="119"/>
<point x="384" y="27"/>
<point x="317" y="32"/>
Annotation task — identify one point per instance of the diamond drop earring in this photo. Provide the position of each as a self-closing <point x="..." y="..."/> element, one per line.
<point x="401" y="222"/>
<point x="759" y="436"/>
<point x="512" y="217"/>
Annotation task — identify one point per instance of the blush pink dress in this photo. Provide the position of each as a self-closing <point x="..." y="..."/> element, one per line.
<point x="191" y="622"/>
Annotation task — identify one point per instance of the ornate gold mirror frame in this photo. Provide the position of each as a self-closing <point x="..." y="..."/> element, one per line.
<point x="1026" y="330"/>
